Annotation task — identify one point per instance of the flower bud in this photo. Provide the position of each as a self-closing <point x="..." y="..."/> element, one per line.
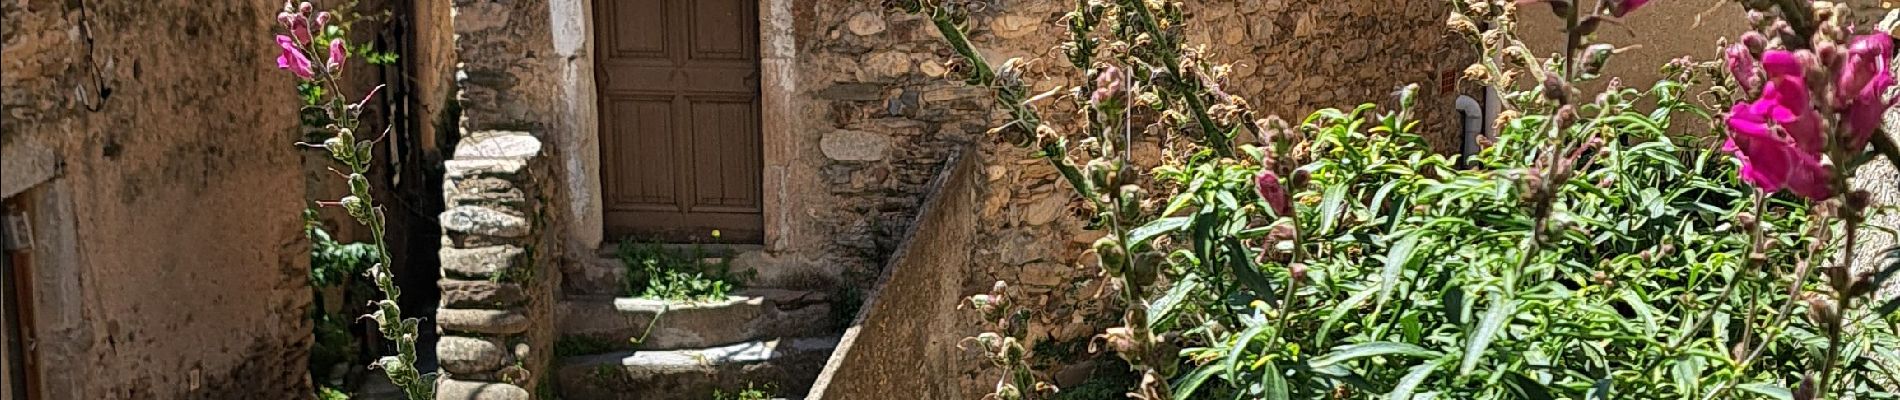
<point x="1596" y="57"/>
<point x="304" y="8"/>
<point x="1820" y="310"/>
<point x="359" y="184"/>
<point x="1555" y="90"/>
<point x="1013" y="350"/>
<point x="1755" y="43"/>
<point x="1296" y="272"/>
<point x="1119" y="339"/>
<point x="1267" y="185"/>
<point x="1477" y="73"/>
<point x="1108" y="251"/>
<point x="1301" y="178"/>
<point x="323" y="19"/>
<point x="1462" y="24"/>
<point x="1103" y="173"/>
<point x="1110" y="83"/>
<point x="1741" y="65"/>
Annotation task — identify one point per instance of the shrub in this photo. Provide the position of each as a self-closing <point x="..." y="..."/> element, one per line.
<point x="1586" y="253"/>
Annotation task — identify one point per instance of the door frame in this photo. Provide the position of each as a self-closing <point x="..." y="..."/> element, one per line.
<point x="777" y="123"/>
<point x="16" y="313"/>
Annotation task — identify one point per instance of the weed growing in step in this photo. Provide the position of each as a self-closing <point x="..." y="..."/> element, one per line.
<point x="751" y="392"/>
<point x="656" y="272"/>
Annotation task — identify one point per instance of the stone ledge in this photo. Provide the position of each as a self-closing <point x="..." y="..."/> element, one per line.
<point x="497" y="322"/>
<point x="484" y="221"/>
<point x="788" y="364"/>
<point x="498" y="145"/>
<point x="483" y="262"/>
<point x="477" y="168"/>
<point x="480" y="294"/>
<point x="468" y="355"/>
<point x="751" y="314"/>
<point x="450" y="389"/>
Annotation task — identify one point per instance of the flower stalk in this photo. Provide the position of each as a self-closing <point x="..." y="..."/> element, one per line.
<point x="355" y="154"/>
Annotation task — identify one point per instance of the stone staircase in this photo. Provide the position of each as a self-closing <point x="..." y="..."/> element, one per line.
<point x="645" y="349"/>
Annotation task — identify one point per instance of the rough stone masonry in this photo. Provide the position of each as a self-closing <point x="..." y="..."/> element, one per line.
<point x="497" y="287"/>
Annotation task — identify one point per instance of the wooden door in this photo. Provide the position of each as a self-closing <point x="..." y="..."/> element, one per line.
<point x="679" y="119"/>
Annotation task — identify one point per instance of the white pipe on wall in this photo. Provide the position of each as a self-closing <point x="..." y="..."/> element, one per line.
<point x="1473" y="115"/>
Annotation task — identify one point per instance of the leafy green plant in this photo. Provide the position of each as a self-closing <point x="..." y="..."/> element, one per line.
<point x="330" y="393"/>
<point x="751" y="392"/>
<point x="1585" y="253"/>
<point x="655" y="272"/>
<point x="332" y="264"/>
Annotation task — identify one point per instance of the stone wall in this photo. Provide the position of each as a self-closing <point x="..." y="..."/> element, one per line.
<point x="910" y="321"/>
<point x="169" y="262"/>
<point x="498" y="268"/>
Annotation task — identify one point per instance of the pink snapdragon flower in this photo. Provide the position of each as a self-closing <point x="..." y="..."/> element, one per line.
<point x="297" y="24"/>
<point x="338" y="55"/>
<point x="1778" y="137"/>
<point x="1862" y="81"/>
<point x="293" y="59"/>
<point x="1267" y="185"/>
<point x="1741" y="65"/>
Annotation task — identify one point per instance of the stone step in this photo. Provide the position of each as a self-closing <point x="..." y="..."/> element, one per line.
<point x="787" y="365"/>
<point x="606" y="323"/>
<point x="605" y="275"/>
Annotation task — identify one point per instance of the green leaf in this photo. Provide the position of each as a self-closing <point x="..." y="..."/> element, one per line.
<point x="1488" y="327"/>
<point x="1409" y="383"/>
<point x="1401" y="256"/>
<point x="1372" y="349"/>
<point x="1342" y="310"/>
<point x="1184" y="388"/>
<point x="1643" y="310"/>
<point x="1330" y="207"/>
<point x="1156" y="228"/>
<point x="1239" y="348"/>
<point x="1161" y="311"/>
<point x="1273" y="384"/>
<point x="1529" y="388"/>
<point x="1769" y="390"/>
<point x="1247" y="272"/>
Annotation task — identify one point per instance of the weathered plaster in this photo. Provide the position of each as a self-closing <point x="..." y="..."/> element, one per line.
<point x="27" y="163"/>
<point x="572" y="28"/>
<point x="169" y="254"/>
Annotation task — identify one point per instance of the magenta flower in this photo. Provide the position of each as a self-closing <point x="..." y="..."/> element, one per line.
<point x="292" y="58"/>
<point x="1770" y="160"/>
<point x="297" y="24"/>
<point x="1741" y="65"/>
<point x="1267" y="185"/>
<point x="1863" y="79"/>
<point x="1778" y="136"/>
<point x="337" y="56"/>
<point x="1622" y="8"/>
<point x="1786" y="100"/>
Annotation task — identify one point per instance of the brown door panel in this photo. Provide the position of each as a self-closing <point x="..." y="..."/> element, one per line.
<point x="679" y="100"/>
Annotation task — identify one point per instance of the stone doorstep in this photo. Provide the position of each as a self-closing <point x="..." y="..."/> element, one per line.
<point x="601" y="276"/>
<point x="789" y="364"/>
<point x="751" y="314"/>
